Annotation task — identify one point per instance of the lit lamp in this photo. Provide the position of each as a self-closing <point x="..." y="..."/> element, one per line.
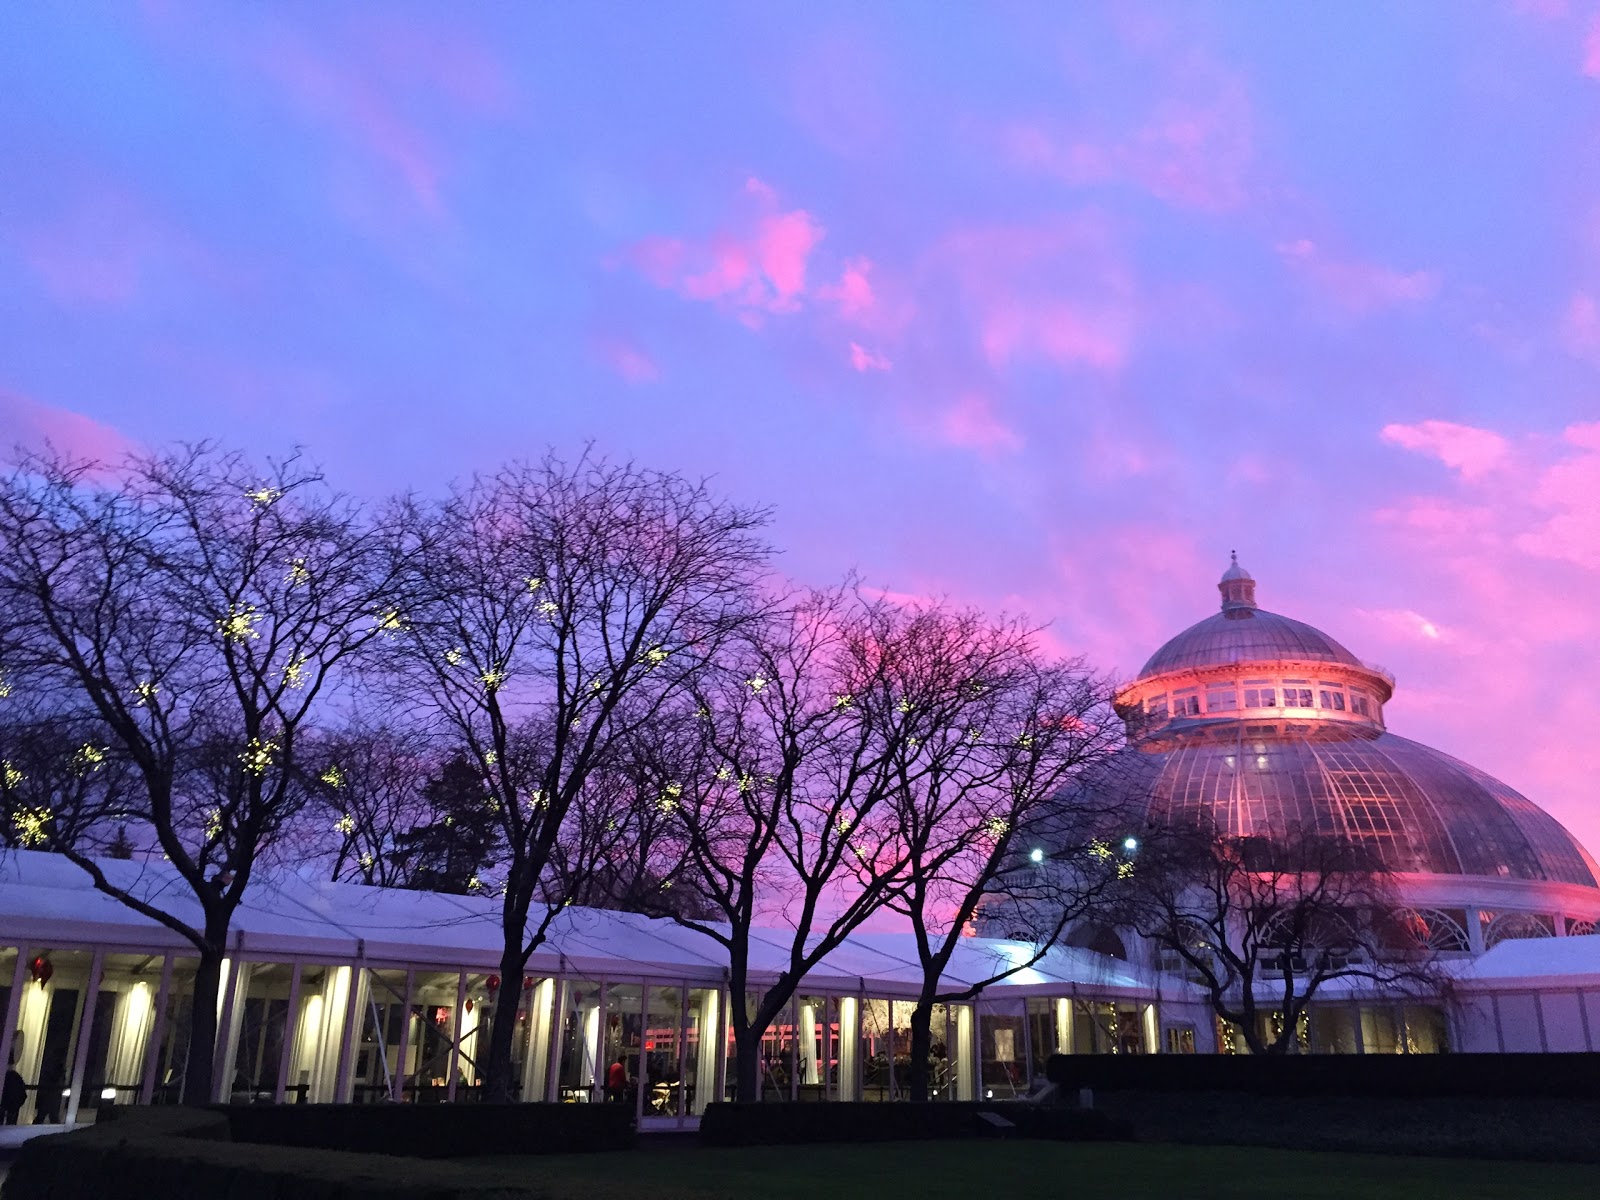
<point x="1036" y="855"/>
<point x="108" y="1104"/>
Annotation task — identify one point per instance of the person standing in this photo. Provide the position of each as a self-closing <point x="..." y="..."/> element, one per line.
<point x="12" y="1095"/>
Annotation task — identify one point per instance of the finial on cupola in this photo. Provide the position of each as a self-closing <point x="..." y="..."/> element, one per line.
<point x="1237" y="588"/>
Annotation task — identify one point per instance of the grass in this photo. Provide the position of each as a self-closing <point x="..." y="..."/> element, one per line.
<point x="1113" y="1171"/>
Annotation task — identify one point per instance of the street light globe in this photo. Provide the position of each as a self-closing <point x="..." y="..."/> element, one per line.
<point x="1036" y="855"/>
<point x="1130" y="844"/>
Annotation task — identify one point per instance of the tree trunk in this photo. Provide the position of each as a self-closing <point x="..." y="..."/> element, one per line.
<point x="198" y="1074"/>
<point x="747" y="1064"/>
<point x="498" y="1069"/>
<point x="921" y="1049"/>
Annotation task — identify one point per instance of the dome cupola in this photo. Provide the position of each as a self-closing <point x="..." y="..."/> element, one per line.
<point x="1237" y="587"/>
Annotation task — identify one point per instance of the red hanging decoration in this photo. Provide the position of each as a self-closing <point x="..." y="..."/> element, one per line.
<point x="469" y="1005"/>
<point x="441" y="1016"/>
<point x="492" y="983"/>
<point x="527" y="982"/>
<point x="41" y="970"/>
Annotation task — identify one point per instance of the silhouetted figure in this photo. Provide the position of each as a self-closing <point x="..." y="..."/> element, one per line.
<point x="12" y="1096"/>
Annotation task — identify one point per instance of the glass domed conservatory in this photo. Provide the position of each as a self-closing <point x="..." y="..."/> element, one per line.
<point x="1251" y="721"/>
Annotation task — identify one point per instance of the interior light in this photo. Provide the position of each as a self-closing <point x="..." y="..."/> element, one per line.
<point x="108" y="1093"/>
<point x="1130" y="844"/>
<point x="1036" y="855"/>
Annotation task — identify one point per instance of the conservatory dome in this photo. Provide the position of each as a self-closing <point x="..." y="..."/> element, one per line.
<point x="1252" y="722"/>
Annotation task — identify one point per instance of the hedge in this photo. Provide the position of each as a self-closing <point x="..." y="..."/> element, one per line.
<point x="791" y="1123"/>
<point x="187" y="1154"/>
<point x="437" y="1130"/>
<point x="1565" y="1076"/>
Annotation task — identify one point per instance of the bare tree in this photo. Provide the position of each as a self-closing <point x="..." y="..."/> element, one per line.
<point x="370" y="783"/>
<point x="1001" y="734"/>
<point x="188" y="610"/>
<point x="555" y="608"/>
<point x="1264" y="922"/>
<point x="787" y="810"/>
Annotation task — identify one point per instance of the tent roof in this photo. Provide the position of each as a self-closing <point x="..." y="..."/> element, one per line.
<point x="45" y="900"/>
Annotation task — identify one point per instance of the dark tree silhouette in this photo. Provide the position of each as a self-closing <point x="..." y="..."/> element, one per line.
<point x="185" y="612"/>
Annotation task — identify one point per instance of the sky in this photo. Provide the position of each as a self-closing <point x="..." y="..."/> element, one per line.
<point x="1038" y="307"/>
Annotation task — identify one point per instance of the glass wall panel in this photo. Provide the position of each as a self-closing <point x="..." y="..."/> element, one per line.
<point x="815" y="1042"/>
<point x="176" y="1018"/>
<point x="1104" y="1027"/>
<point x="430" y="1036"/>
<point x="1041" y="1034"/>
<point x="1380" y="1031"/>
<point x="622" y="1040"/>
<point x="477" y="1026"/>
<point x="1333" y="1030"/>
<point x="326" y="993"/>
<point x="1426" y="1031"/>
<point x="263" y="1024"/>
<point x="877" y="1051"/>
<point x="581" y="1075"/>
<point x="663" y="1047"/>
<point x="375" y="1068"/>
<point x="1002" y="1057"/>
<point x="44" y="1043"/>
<point x="122" y="1039"/>
<point x="700" y="1041"/>
<point x="99" y="1032"/>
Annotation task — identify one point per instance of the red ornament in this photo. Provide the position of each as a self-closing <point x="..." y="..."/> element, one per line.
<point x="41" y="970"/>
<point x="492" y="983"/>
<point x="441" y="1016"/>
<point x="469" y="1005"/>
<point x="527" y="982"/>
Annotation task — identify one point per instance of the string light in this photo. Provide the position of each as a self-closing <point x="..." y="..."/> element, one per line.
<point x="33" y="826"/>
<point x="294" y="674"/>
<point x="213" y="825"/>
<point x="257" y="756"/>
<point x="453" y="656"/>
<point x="668" y="800"/>
<point x="240" y="624"/>
<point x="333" y="777"/>
<point x="391" y="622"/>
<point x="5" y="686"/>
<point x="89" y="758"/>
<point x="492" y="679"/>
<point x="534" y="583"/>
<point x="9" y="774"/>
<point x="843" y="700"/>
<point x="755" y="683"/>
<point x="298" y="575"/>
<point x="345" y="825"/>
<point x="263" y="496"/>
<point x="997" y="827"/>
<point x="144" y="691"/>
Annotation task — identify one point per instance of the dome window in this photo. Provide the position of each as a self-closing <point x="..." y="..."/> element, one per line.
<point x="1332" y="699"/>
<point x="1359" y="704"/>
<point x="1260" y="697"/>
<point x="1297" y="697"/>
<point x="1222" y="699"/>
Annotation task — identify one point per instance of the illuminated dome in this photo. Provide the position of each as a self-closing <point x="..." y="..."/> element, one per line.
<point x="1252" y="722"/>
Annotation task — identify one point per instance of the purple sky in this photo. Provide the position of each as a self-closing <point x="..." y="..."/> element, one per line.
<point x="1043" y="307"/>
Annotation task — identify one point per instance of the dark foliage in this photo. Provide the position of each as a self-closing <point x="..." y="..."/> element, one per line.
<point x="800" y="1124"/>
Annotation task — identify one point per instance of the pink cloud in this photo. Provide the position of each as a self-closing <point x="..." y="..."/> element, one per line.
<point x="853" y="293"/>
<point x="756" y="266"/>
<point x="864" y="360"/>
<point x="1591" y="50"/>
<point x="1472" y="452"/>
<point x="972" y="424"/>
<point x="32" y="426"/>
<point x="1359" y="287"/>
<point x="627" y="360"/>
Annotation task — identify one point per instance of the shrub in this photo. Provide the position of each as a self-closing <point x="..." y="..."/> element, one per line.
<point x="437" y="1130"/>
<point x="773" y="1124"/>
<point x="1573" y="1076"/>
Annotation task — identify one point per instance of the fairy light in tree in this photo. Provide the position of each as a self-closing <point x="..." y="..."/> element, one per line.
<point x="213" y="825"/>
<point x="655" y="656"/>
<point x="333" y="777"/>
<point x="345" y="825"/>
<point x="668" y="800"/>
<point x="1124" y="870"/>
<point x="295" y="673"/>
<point x="997" y="827"/>
<point x="843" y="700"/>
<point x="490" y="758"/>
<point x="258" y="755"/>
<point x="89" y="758"/>
<point x="5" y="686"/>
<point x="452" y="656"/>
<point x="755" y="683"/>
<point x="474" y="884"/>
<point x="366" y="861"/>
<point x="534" y="584"/>
<point x="746" y="784"/>
<point x="537" y="801"/>
<point x="843" y="820"/>
<point x="9" y="775"/>
<point x="548" y="610"/>
<point x="144" y="693"/>
<point x="32" y="826"/>
<point x="1099" y="849"/>
<point x="298" y="576"/>
<point x="263" y="496"/>
<point x="904" y="706"/>
<point x="240" y="624"/>
<point x="723" y="773"/>
<point x="492" y="679"/>
<point x="973" y="734"/>
<point x="390" y="622"/>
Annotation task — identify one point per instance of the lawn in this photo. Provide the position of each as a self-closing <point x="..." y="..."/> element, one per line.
<point x="982" y="1170"/>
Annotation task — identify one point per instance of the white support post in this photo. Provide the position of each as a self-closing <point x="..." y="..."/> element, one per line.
<point x="455" y="1039"/>
<point x="397" y="1084"/>
<point x="221" y="1076"/>
<point x="80" y="1060"/>
<point x="350" y="1032"/>
<point x="291" y="1030"/>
